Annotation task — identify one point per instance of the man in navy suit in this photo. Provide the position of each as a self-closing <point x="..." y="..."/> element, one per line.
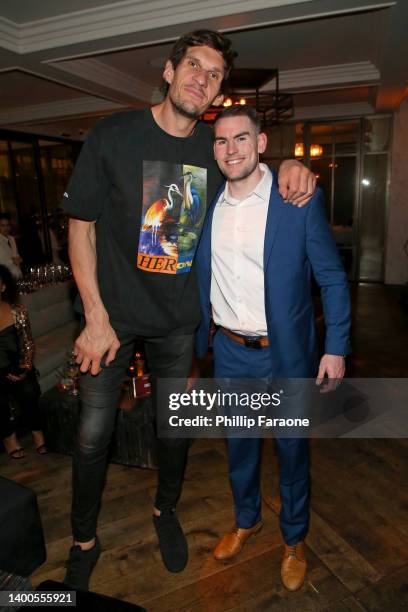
<point x="254" y="265"/>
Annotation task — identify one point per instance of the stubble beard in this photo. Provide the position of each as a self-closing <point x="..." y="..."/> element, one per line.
<point x="184" y="110"/>
<point x="244" y="174"/>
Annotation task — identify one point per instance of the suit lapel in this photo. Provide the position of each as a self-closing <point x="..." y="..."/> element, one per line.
<point x="205" y="241"/>
<point x="275" y="210"/>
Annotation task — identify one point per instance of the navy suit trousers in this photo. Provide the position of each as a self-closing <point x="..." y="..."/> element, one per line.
<point x="233" y="360"/>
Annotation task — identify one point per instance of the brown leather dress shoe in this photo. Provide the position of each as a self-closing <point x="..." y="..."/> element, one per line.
<point x="293" y="568"/>
<point x="231" y="543"/>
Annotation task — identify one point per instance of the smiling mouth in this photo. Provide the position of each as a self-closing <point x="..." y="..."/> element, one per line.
<point x="234" y="162"/>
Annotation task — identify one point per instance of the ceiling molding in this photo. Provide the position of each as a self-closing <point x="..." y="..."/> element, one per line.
<point x="12" y="69"/>
<point x="63" y="108"/>
<point x="96" y="71"/>
<point x="9" y="35"/>
<point x="357" y="109"/>
<point x="322" y="76"/>
<point x="131" y="16"/>
<point x="121" y="18"/>
<point x="89" y="91"/>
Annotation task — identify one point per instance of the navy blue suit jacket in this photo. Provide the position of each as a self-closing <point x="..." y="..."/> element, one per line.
<point x="297" y="241"/>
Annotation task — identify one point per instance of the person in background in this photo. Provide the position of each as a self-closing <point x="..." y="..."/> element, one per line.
<point x="31" y="245"/>
<point x="18" y="380"/>
<point x="9" y="255"/>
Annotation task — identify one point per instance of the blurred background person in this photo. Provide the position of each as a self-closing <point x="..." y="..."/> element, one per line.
<point x="31" y="245"/>
<point x="9" y="255"/>
<point x="18" y="380"/>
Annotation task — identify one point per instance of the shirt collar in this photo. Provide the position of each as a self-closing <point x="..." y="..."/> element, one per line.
<point x="261" y="191"/>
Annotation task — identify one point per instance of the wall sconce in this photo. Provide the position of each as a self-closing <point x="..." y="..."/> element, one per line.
<point x="299" y="149"/>
<point x="315" y="150"/>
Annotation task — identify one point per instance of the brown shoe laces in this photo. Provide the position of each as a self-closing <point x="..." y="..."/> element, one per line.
<point x="235" y="532"/>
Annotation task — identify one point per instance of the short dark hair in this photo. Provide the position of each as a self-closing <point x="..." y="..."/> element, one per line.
<point x="203" y="38"/>
<point x="4" y="215"/>
<point x="241" y="110"/>
<point x="9" y="295"/>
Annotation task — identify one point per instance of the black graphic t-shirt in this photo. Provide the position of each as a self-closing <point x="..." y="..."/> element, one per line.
<point x="148" y="192"/>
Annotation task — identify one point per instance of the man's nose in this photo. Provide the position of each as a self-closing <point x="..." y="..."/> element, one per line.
<point x="201" y="77"/>
<point x="231" y="146"/>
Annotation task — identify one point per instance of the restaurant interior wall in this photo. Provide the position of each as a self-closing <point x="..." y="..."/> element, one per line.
<point x="34" y="172"/>
<point x="396" y="268"/>
<point x="352" y="167"/>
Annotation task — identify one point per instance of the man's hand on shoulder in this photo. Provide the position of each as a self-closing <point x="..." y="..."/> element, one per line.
<point x="297" y="183"/>
<point x="332" y="366"/>
<point x="96" y="340"/>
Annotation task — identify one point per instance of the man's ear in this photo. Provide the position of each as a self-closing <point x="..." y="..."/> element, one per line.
<point x="262" y="142"/>
<point x="218" y="100"/>
<point x="168" y="72"/>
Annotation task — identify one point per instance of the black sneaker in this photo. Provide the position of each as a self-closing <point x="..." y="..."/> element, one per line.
<point x="80" y="565"/>
<point x="172" y="541"/>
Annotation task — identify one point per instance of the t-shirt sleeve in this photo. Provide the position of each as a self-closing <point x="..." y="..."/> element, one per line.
<point x="88" y="186"/>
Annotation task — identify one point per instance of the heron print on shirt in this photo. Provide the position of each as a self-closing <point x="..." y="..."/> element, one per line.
<point x="173" y="211"/>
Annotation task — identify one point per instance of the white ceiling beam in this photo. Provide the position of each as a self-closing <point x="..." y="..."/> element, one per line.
<point x="10" y="35"/>
<point x="96" y="71"/>
<point x="317" y="77"/>
<point x="131" y="16"/>
<point x="121" y="18"/>
<point x="67" y="108"/>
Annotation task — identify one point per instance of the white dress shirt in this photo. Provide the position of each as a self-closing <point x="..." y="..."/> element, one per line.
<point x="237" y="275"/>
<point x="8" y="250"/>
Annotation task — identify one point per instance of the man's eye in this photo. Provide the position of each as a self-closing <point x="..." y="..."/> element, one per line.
<point x="215" y="76"/>
<point x="192" y="63"/>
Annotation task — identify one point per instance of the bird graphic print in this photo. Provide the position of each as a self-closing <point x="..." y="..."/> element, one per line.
<point x="173" y="210"/>
<point x="157" y="212"/>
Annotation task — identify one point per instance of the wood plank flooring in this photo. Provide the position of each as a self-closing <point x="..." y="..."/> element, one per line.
<point x="357" y="548"/>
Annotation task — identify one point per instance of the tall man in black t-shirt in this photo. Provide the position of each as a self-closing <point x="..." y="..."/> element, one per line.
<point x="137" y="198"/>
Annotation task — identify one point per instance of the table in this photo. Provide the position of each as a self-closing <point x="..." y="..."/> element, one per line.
<point x="133" y="441"/>
<point x="22" y="547"/>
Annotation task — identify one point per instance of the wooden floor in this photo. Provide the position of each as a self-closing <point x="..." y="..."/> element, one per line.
<point x="357" y="548"/>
